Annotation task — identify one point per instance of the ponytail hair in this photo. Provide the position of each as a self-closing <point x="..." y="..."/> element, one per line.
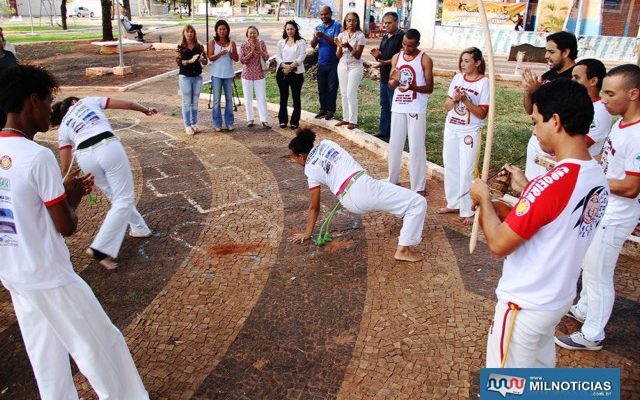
<point x="59" y="110"/>
<point x="303" y="142"/>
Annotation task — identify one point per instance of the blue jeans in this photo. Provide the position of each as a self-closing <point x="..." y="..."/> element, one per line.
<point x="190" y="87"/>
<point x="386" y="98"/>
<point x="217" y="84"/>
<point x="327" y="86"/>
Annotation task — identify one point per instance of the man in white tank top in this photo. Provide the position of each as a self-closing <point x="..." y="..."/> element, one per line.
<point x="412" y="81"/>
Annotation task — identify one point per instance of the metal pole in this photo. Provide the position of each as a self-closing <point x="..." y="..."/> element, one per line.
<point x="579" y="19"/>
<point x="193" y="9"/>
<point x="31" y="16"/>
<point x="120" y="56"/>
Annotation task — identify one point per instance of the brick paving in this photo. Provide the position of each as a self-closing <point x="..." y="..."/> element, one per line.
<point x="218" y="305"/>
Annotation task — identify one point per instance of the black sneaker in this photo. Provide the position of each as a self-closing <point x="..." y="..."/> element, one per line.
<point x="266" y="125"/>
<point x="329" y="115"/>
<point x="321" y="114"/>
<point x="283" y="125"/>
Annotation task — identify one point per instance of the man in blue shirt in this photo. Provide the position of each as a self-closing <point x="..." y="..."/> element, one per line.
<point x="327" y="62"/>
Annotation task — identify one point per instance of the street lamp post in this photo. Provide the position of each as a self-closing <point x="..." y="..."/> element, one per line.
<point x="120" y="55"/>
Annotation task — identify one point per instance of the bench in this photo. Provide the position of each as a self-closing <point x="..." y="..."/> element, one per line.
<point x="128" y="46"/>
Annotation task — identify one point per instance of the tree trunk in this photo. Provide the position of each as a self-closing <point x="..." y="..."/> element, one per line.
<point x="278" y="10"/>
<point x="63" y="14"/>
<point x="126" y="9"/>
<point x="107" y="32"/>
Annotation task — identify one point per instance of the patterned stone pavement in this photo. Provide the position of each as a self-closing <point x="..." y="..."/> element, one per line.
<point x="218" y="305"/>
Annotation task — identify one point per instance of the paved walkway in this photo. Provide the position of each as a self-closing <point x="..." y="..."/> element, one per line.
<point x="218" y="305"/>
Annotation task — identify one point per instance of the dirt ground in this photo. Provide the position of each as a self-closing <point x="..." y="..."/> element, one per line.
<point x="67" y="61"/>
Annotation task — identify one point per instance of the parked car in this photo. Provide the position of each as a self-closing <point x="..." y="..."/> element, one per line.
<point x="80" y="11"/>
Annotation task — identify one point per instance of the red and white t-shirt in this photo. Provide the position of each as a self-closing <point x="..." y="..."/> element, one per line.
<point x="84" y="120"/>
<point x="330" y="165"/>
<point x="599" y="129"/>
<point x="621" y="157"/>
<point x="410" y="102"/>
<point x="33" y="253"/>
<point x="557" y="214"/>
<point x="477" y="91"/>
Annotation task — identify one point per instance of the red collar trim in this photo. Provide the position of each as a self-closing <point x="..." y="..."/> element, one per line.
<point x="465" y="78"/>
<point x="622" y="126"/>
<point x="596" y="100"/>
<point x="10" y="134"/>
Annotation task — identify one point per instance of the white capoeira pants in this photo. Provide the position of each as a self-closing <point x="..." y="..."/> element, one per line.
<point x="598" y="292"/>
<point x="368" y="194"/>
<point x="349" y="80"/>
<point x="532" y="342"/>
<point x="108" y="163"/>
<point x="69" y="320"/>
<point x="414" y="126"/>
<point x="258" y="86"/>
<point x="532" y="169"/>
<point x="459" y="153"/>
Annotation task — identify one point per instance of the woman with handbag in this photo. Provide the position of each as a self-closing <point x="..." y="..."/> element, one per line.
<point x="254" y="56"/>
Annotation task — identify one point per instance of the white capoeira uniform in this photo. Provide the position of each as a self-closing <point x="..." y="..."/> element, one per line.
<point x="108" y="162"/>
<point x="599" y="129"/>
<point x="596" y="137"/>
<point x="462" y="143"/>
<point x="330" y="165"/>
<point x="409" y="117"/>
<point x="557" y="214"/>
<point x="57" y="312"/>
<point x="620" y="157"/>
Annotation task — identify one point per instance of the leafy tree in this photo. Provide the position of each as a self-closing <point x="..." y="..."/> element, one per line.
<point x="107" y="32"/>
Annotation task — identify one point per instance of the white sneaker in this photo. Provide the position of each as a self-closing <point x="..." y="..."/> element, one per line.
<point x="196" y="128"/>
<point x="189" y="130"/>
<point x="231" y="128"/>
<point x="573" y="314"/>
<point x="577" y="341"/>
<point x="140" y="235"/>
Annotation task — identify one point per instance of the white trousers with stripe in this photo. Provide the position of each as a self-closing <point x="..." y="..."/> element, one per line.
<point x="532" y="341"/>
<point x="108" y="163"/>
<point x="368" y="194"/>
<point x="459" y="152"/>
<point x="69" y="321"/>
<point x="414" y="126"/>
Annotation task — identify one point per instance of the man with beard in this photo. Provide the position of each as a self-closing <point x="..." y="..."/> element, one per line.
<point x="562" y="50"/>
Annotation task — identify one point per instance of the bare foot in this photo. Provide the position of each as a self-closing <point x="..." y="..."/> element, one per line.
<point x="404" y="253"/>
<point x="445" y="210"/>
<point x="108" y="263"/>
<point x="467" y="220"/>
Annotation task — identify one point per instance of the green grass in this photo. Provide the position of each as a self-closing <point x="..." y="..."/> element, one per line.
<point x="56" y="37"/>
<point x="27" y="28"/>
<point x="512" y="128"/>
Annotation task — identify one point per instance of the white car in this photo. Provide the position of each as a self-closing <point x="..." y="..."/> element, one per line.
<point x="80" y="11"/>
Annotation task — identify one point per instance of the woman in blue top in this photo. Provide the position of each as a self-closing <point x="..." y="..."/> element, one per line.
<point x="222" y="54"/>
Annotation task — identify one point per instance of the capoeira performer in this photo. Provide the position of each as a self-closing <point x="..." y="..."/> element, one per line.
<point x="590" y="73"/>
<point x="621" y="164"/>
<point x="58" y="314"/>
<point x="330" y="165"/>
<point x="468" y="104"/>
<point x="547" y="232"/>
<point x="85" y="127"/>
<point x="412" y="81"/>
<point x="561" y="53"/>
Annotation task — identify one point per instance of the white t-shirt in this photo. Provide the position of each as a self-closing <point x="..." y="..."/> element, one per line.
<point x="621" y="157"/>
<point x="330" y="165"/>
<point x="599" y="129"/>
<point x="356" y="40"/>
<point x="557" y="214"/>
<point x="477" y="91"/>
<point x="84" y="120"/>
<point x="33" y="253"/>
<point x="410" y="102"/>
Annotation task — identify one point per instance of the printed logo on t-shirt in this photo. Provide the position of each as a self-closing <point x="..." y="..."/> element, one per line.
<point x="5" y="184"/>
<point x="7" y="227"/>
<point x="592" y="208"/>
<point x="407" y="75"/>
<point x="543" y="182"/>
<point x="468" y="140"/>
<point x="5" y="162"/>
<point x="523" y="207"/>
<point x="636" y="162"/>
